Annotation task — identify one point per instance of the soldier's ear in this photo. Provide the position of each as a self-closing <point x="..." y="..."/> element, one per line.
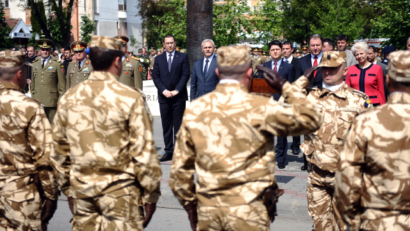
<point x="217" y="73"/>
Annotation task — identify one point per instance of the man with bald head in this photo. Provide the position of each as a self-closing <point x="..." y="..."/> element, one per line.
<point x="227" y="137"/>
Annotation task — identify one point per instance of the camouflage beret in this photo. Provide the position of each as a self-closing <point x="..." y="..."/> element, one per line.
<point x="106" y="42"/>
<point x="10" y="59"/>
<point x="333" y="58"/>
<point x="399" y="66"/>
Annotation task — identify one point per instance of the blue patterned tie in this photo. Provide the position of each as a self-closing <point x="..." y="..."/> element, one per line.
<point x="169" y="62"/>
<point x="206" y="67"/>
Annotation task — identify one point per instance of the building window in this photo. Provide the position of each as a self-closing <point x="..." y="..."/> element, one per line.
<point x="96" y="6"/>
<point x="122" y="5"/>
<point x="6" y="3"/>
<point x="96" y="28"/>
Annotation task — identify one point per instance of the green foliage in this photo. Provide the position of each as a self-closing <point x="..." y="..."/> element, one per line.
<point x="32" y="41"/>
<point x="133" y="42"/>
<point x="35" y="25"/>
<point x="394" y="21"/>
<point x="338" y="17"/>
<point x="230" y="22"/>
<point x="172" y="21"/>
<point x="266" y="21"/>
<point x="87" y="27"/>
<point x="5" y="29"/>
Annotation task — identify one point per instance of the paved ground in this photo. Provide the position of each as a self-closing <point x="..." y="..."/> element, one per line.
<point x="292" y="206"/>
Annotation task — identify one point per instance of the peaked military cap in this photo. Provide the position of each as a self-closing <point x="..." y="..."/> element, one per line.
<point x="78" y="46"/>
<point x="298" y="51"/>
<point x="333" y="58"/>
<point x="123" y="38"/>
<point x="45" y="43"/>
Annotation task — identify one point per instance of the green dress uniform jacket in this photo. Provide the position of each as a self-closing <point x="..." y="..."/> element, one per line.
<point x="131" y="73"/>
<point x="76" y="75"/>
<point x="48" y="83"/>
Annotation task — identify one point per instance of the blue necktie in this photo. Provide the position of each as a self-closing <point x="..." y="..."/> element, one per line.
<point x="169" y="62"/>
<point x="206" y="67"/>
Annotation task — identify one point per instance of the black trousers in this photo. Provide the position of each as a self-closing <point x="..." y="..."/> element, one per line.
<point x="296" y="142"/>
<point x="171" y="118"/>
<point x="281" y="150"/>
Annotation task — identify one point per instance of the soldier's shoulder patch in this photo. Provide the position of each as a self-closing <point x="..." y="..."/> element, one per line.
<point x="87" y="62"/>
<point x="62" y="68"/>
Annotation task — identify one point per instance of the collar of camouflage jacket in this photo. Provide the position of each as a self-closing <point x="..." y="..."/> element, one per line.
<point x="230" y="87"/>
<point x="340" y="93"/>
<point x="9" y="85"/>
<point x="399" y="98"/>
<point x="102" y="75"/>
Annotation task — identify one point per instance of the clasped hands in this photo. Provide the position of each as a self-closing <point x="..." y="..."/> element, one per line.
<point x="170" y="94"/>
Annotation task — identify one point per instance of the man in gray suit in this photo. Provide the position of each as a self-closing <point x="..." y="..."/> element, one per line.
<point x="204" y="78"/>
<point x="342" y="42"/>
<point x="371" y="57"/>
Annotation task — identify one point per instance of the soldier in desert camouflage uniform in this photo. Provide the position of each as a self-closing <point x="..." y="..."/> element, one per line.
<point x="105" y="156"/>
<point x="373" y="178"/>
<point x="227" y="138"/>
<point x="28" y="190"/>
<point x="338" y="105"/>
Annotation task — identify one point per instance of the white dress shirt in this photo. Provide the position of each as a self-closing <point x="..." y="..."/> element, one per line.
<point x="209" y="63"/>
<point x="82" y="62"/>
<point x="222" y="81"/>
<point x="278" y="63"/>
<point x="288" y="59"/>
<point x="319" y="58"/>
<point x="46" y="60"/>
<point x="172" y="57"/>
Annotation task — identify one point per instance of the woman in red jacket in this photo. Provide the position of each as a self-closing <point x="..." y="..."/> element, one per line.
<point x="365" y="76"/>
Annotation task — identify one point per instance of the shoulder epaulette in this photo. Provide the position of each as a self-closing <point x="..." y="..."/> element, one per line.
<point x="360" y="93"/>
<point x="133" y="57"/>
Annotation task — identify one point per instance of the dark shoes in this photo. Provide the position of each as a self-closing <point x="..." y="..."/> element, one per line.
<point x="303" y="168"/>
<point x="281" y="165"/>
<point x="166" y="157"/>
<point x="295" y="150"/>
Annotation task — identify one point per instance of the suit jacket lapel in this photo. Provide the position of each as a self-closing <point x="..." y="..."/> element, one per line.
<point x="211" y="66"/>
<point x="309" y="60"/>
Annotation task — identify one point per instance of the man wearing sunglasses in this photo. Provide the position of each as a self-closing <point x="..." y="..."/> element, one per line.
<point x="48" y="80"/>
<point x="80" y="69"/>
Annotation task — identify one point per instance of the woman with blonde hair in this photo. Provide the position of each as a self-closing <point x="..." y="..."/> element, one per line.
<point x="365" y="76"/>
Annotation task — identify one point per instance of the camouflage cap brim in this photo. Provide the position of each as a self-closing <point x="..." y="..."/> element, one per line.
<point x="399" y="66"/>
<point x="9" y="59"/>
<point x="333" y="59"/>
<point x="106" y="42"/>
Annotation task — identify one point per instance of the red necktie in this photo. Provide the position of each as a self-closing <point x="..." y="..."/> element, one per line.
<point x="315" y="64"/>
<point x="275" y="69"/>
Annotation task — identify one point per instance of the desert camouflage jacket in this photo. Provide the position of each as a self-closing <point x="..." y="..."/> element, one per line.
<point x="373" y="178"/>
<point x="25" y="145"/>
<point x="227" y="137"/>
<point x="103" y="140"/>
<point x="338" y="109"/>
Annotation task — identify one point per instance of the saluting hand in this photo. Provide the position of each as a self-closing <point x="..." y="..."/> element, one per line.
<point x="272" y="77"/>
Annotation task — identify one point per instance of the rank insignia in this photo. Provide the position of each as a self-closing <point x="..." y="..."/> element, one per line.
<point x="140" y="69"/>
<point x="127" y="72"/>
<point x="87" y="62"/>
<point x="128" y="59"/>
<point x="50" y="68"/>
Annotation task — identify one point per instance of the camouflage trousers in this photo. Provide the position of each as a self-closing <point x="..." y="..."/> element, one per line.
<point x="114" y="211"/>
<point x="321" y="203"/>
<point x="21" y="210"/>
<point x="253" y="216"/>
<point x="378" y="220"/>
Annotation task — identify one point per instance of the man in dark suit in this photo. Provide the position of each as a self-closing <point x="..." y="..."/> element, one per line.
<point x="308" y="61"/>
<point x="286" y="71"/>
<point x="288" y="58"/>
<point x="204" y="78"/>
<point x="170" y="75"/>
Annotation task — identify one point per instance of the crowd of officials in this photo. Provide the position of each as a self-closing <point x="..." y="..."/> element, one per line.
<point x="87" y="131"/>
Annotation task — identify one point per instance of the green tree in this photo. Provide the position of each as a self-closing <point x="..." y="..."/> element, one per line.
<point x="133" y="42"/>
<point x="231" y="22"/>
<point x="87" y="28"/>
<point x="5" y="29"/>
<point x="57" y="27"/>
<point x="394" y="22"/>
<point x="266" y="21"/>
<point x="339" y="17"/>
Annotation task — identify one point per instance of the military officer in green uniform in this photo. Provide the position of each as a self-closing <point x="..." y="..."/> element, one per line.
<point x="80" y="69"/>
<point x="131" y="67"/>
<point x="48" y="80"/>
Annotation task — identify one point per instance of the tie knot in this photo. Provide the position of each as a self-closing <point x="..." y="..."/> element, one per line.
<point x="207" y="60"/>
<point x="315" y="57"/>
<point x="170" y="55"/>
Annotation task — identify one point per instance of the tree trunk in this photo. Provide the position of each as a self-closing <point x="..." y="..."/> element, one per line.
<point x="199" y="27"/>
